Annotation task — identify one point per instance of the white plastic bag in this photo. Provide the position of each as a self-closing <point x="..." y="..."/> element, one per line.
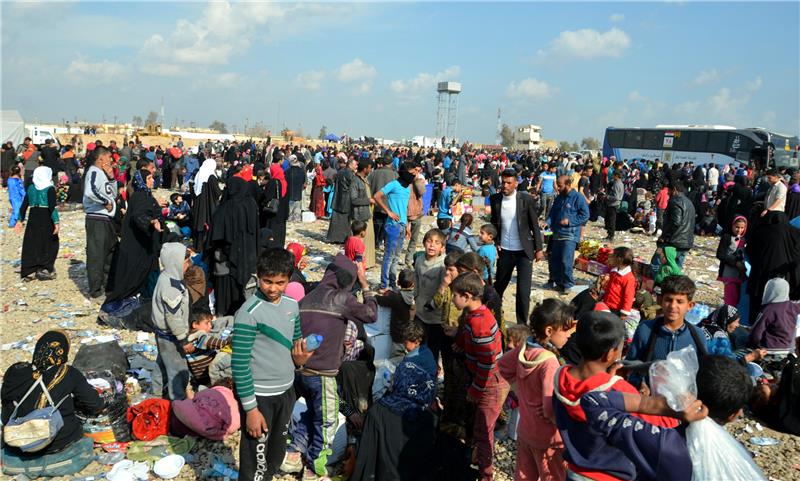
<point x="674" y="378"/>
<point x="715" y="454"/>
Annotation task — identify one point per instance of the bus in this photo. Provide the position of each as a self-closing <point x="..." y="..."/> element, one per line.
<point x="702" y="144"/>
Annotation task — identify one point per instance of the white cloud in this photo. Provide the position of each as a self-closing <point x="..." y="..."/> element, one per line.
<point x="707" y="77"/>
<point x="311" y="80"/>
<point x="423" y="82"/>
<point x="635" y="96"/>
<point x="588" y="43"/>
<point x="357" y="72"/>
<point x="688" y="108"/>
<point x="616" y="17"/>
<point x="103" y="71"/>
<point x="211" y="40"/>
<point x="753" y="85"/>
<point x="727" y="105"/>
<point x="529" y="88"/>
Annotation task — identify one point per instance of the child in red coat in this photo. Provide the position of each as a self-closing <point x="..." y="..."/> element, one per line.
<point x="621" y="287"/>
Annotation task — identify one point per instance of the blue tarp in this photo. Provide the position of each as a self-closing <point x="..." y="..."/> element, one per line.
<point x="332" y="138"/>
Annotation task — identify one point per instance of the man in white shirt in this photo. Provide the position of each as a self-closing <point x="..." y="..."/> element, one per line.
<point x="712" y="178"/>
<point x="515" y="216"/>
<point x="776" y="197"/>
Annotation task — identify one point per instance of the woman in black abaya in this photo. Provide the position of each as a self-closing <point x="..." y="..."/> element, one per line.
<point x="233" y="245"/>
<point x="137" y="254"/>
<point x="773" y="250"/>
<point x="276" y="205"/>
<point x="206" y="198"/>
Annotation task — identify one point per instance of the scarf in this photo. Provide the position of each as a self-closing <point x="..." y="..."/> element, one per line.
<point x="740" y="241"/>
<point x="206" y="170"/>
<point x="139" y="185"/>
<point x="246" y="173"/>
<point x="276" y="172"/>
<point x="52" y="350"/>
<point x="721" y="318"/>
<point x="776" y="290"/>
<point x="42" y="177"/>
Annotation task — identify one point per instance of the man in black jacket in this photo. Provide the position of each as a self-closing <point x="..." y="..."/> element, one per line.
<point x="679" y="221"/>
<point x="515" y="216"/>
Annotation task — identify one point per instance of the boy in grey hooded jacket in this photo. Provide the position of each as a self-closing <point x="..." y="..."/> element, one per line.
<point x="171" y="319"/>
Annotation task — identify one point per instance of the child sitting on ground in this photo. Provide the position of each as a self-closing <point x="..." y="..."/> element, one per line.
<point x="178" y="210"/>
<point x="531" y="368"/>
<point x="645" y="452"/>
<point x="354" y="245"/>
<point x="621" y="287"/>
<point x="669" y="264"/>
<point x="462" y="239"/>
<point x="401" y="302"/>
<point x="488" y="251"/>
<point x="206" y="346"/>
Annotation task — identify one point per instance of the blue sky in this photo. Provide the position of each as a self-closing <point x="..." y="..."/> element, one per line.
<point x="371" y="68"/>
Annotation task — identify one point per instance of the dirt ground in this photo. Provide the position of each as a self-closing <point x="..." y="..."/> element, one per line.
<point x="29" y="309"/>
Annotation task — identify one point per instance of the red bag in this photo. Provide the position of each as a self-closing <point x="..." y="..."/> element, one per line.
<point x="149" y="419"/>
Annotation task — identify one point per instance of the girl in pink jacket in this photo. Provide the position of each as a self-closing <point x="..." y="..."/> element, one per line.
<point x="531" y="368"/>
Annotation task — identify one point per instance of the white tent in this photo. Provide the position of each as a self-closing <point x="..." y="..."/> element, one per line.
<point x="13" y="128"/>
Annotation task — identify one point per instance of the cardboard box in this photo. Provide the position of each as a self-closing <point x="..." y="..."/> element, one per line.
<point x="597" y="268"/>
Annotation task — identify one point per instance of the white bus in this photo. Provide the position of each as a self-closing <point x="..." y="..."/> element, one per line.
<point x="702" y="144"/>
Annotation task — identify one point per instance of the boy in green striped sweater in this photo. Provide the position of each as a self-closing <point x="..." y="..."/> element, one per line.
<point x="267" y="347"/>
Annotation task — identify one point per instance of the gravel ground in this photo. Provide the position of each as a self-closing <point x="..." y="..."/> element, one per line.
<point x="29" y="309"/>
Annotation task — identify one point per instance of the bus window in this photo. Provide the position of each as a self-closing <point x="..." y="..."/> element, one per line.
<point x="697" y="141"/>
<point x="616" y="138"/>
<point x="653" y="139"/>
<point x="681" y="141"/>
<point x="633" y="139"/>
<point x="717" y="142"/>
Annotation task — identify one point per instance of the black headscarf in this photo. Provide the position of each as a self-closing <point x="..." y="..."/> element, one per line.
<point x="719" y="320"/>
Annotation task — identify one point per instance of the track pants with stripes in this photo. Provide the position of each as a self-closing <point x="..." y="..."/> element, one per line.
<point x="313" y="435"/>
<point x="260" y="458"/>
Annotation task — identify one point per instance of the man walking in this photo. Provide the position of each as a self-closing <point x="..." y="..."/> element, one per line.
<point x="568" y="215"/>
<point x="514" y="215"/>
<point x="99" y="194"/>
<point x="679" y="220"/>
<point x="547" y="188"/>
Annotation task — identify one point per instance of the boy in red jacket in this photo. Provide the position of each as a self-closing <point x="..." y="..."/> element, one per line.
<point x="621" y="287"/>
<point x="479" y="340"/>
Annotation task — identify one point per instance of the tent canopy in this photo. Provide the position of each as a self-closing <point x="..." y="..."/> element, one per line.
<point x="332" y="138"/>
<point x="13" y="127"/>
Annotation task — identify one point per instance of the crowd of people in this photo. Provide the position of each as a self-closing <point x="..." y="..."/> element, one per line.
<point x="215" y="253"/>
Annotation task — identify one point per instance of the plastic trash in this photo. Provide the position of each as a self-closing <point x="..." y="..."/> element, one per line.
<point x="126" y="470"/>
<point x="313" y="341"/>
<point x="96" y="477"/>
<point x="110" y="458"/>
<point x="764" y="441"/>
<point x="219" y="469"/>
<point x="143" y="348"/>
<point x="64" y="324"/>
<point x="697" y="314"/>
<point x="169" y="467"/>
<point x="714" y="452"/>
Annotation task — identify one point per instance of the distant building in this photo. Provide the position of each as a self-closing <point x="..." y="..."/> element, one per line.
<point x="528" y="137"/>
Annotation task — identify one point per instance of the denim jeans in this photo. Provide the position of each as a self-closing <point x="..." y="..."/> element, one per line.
<point x="66" y="462"/>
<point x="395" y="233"/>
<point x="560" y="260"/>
<point x="547" y="203"/>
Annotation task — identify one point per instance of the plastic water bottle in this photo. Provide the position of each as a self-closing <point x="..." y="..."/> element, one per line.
<point x="144" y="348"/>
<point x="313" y="341"/>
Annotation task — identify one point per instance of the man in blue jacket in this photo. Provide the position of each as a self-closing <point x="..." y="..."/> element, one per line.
<point x="566" y="218"/>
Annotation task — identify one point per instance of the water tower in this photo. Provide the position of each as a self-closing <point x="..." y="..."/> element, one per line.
<point x="447" y="111"/>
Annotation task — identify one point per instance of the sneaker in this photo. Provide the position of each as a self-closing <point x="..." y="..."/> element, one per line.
<point x="292" y="463"/>
<point x="310" y="475"/>
<point x="29" y="278"/>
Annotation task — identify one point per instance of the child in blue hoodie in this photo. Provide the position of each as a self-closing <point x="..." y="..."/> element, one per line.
<point x="16" y="194"/>
<point x="723" y="388"/>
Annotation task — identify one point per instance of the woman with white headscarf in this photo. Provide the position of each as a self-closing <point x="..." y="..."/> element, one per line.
<point x="206" y="198"/>
<point x="40" y="244"/>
